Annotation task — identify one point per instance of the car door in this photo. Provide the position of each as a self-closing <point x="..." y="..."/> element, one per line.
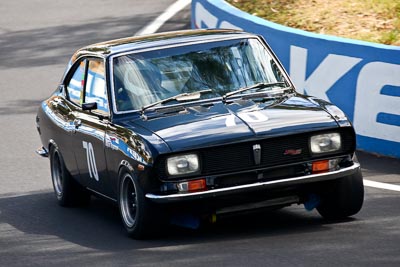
<point x="90" y="127"/>
<point x="73" y="85"/>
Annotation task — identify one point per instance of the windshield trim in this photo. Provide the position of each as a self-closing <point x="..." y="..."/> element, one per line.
<point x="133" y="51"/>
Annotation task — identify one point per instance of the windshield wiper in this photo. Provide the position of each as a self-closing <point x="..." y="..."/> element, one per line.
<point x="257" y="86"/>
<point x="180" y="97"/>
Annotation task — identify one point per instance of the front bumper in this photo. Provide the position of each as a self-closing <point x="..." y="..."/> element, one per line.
<point x="347" y="171"/>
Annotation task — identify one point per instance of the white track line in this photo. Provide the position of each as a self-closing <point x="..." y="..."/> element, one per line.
<point x="171" y="11"/>
<point x="380" y="185"/>
<point x="24" y="194"/>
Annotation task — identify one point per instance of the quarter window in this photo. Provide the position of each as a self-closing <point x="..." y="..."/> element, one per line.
<point x="76" y="84"/>
<point x="96" y="90"/>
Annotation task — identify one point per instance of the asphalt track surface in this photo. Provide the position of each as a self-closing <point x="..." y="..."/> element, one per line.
<point x="36" y="40"/>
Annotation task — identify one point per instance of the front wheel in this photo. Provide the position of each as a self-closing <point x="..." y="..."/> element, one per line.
<point x="139" y="216"/>
<point x="343" y="197"/>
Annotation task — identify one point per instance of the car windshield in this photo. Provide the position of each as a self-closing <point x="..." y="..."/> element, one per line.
<point x="143" y="79"/>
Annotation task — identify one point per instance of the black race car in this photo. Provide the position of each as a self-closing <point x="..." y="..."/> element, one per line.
<point x="200" y="122"/>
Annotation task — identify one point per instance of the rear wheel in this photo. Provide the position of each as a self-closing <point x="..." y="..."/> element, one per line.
<point x="139" y="216"/>
<point x="68" y="192"/>
<point x="343" y="197"/>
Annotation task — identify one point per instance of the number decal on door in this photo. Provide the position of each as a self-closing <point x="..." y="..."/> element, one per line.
<point x="91" y="161"/>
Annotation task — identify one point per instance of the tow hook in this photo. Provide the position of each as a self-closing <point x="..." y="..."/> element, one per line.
<point x="312" y="202"/>
<point x="186" y="220"/>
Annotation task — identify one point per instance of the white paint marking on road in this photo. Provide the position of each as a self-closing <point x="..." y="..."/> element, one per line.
<point x="380" y="185"/>
<point x="24" y="194"/>
<point x="164" y="17"/>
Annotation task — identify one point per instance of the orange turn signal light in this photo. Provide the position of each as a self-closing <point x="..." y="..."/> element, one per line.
<point x="320" y="166"/>
<point x="193" y="185"/>
<point x="197" y="185"/>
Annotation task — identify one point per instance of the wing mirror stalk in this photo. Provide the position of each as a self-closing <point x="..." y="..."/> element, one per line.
<point x="92" y="106"/>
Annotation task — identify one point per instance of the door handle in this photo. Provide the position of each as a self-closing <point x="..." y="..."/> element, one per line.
<point x="77" y="123"/>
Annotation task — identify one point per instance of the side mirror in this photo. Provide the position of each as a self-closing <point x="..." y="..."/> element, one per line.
<point x="89" y="106"/>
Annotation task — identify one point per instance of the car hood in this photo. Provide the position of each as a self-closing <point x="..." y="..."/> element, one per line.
<point x="185" y="128"/>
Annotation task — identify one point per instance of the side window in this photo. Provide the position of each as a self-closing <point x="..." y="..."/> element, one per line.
<point x="96" y="90"/>
<point x="75" y="85"/>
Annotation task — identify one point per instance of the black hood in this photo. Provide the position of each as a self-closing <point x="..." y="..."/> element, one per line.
<point x="221" y="123"/>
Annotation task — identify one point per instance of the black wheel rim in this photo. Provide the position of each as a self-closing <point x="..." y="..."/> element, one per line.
<point x="56" y="174"/>
<point x="128" y="200"/>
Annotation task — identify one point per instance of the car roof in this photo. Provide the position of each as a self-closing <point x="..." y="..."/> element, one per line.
<point x="112" y="47"/>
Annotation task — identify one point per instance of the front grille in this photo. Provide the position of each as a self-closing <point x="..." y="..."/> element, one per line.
<point x="240" y="156"/>
<point x="275" y="151"/>
<point x="227" y="158"/>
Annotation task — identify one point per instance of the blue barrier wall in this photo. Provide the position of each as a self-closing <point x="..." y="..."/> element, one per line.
<point x="361" y="78"/>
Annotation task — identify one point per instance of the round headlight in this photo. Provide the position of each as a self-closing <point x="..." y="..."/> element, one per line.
<point x="324" y="143"/>
<point x="183" y="164"/>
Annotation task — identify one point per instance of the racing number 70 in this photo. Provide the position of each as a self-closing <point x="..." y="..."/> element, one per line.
<point x="91" y="161"/>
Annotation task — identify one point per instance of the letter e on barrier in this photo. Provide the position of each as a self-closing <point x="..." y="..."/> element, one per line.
<point x="371" y="103"/>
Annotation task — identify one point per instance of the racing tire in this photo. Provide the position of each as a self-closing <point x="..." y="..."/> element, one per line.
<point x="342" y="198"/>
<point x="68" y="192"/>
<point x="140" y="217"/>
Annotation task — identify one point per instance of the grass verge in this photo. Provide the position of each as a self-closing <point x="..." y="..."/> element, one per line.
<point x="368" y="20"/>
